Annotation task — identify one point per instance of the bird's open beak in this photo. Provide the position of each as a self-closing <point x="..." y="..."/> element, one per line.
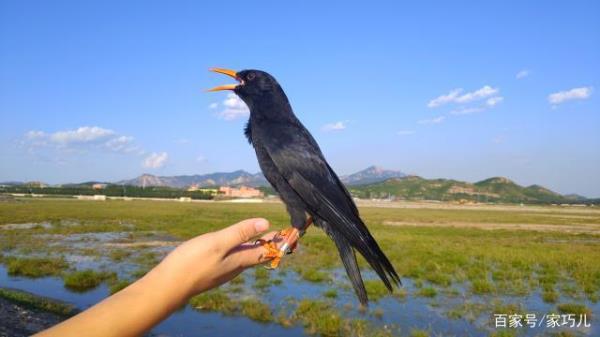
<point x="227" y="72"/>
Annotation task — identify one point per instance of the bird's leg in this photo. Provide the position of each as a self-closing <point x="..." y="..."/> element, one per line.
<point x="289" y="238"/>
<point x="292" y="235"/>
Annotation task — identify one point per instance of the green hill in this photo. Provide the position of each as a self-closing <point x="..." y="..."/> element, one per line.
<point x="497" y="189"/>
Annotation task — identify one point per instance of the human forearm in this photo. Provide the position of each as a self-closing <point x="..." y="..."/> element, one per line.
<point x="133" y="310"/>
<point x="195" y="266"/>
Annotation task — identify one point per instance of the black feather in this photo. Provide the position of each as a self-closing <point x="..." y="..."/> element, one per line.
<point x="293" y="163"/>
<point x="349" y="259"/>
<point x="248" y="132"/>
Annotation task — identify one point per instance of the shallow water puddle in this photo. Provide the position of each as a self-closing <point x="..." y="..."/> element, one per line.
<point x="186" y="322"/>
<point x="401" y="315"/>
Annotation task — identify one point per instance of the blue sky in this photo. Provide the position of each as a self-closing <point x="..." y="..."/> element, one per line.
<point x="467" y="90"/>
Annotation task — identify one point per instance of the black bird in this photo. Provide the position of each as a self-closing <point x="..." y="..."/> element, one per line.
<point x="292" y="162"/>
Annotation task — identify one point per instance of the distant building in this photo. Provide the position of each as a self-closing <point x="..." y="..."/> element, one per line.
<point x="99" y="186"/>
<point x="97" y="197"/>
<point x="197" y="188"/>
<point x="241" y="192"/>
<point x="36" y="184"/>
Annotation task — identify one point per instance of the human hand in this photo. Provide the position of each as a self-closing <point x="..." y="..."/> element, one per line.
<point x="212" y="259"/>
<point x="199" y="264"/>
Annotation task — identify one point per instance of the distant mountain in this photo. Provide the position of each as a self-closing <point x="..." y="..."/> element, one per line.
<point x="371" y="175"/>
<point x="497" y="189"/>
<point x="11" y="183"/>
<point x="84" y="184"/>
<point x="375" y="182"/>
<point x="575" y="197"/>
<point x="235" y="178"/>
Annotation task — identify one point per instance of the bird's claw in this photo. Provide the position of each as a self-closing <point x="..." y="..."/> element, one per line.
<point x="273" y="252"/>
<point x="289" y="242"/>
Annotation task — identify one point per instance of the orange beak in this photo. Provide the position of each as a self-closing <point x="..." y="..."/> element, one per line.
<point x="227" y="72"/>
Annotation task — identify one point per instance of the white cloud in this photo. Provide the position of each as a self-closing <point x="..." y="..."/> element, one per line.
<point x="33" y="134"/>
<point x="493" y="101"/>
<point x="80" y="140"/>
<point x="122" y="144"/>
<point x="435" y="120"/>
<point x="443" y="99"/>
<point x="337" y="126"/>
<point x="155" y="160"/>
<point x="84" y="134"/>
<point x="201" y="159"/>
<point x="465" y="111"/>
<point x="454" y="96"/>
<point x="485" y="91"/>
<point x="568" y="95"/>
<point x="232" y="108"/>
<point x="522" y="74"/>
<point x="405" y="132"/>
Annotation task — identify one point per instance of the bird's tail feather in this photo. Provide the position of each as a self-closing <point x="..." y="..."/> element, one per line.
<point x="360" y="239"/>
<point x="379" y="261"/>
<point x="349" y="259"/>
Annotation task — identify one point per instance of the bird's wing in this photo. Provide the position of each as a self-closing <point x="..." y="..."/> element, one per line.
<point x="300" y="161"/>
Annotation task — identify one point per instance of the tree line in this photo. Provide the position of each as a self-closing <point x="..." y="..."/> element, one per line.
<point x="111" y="191"/>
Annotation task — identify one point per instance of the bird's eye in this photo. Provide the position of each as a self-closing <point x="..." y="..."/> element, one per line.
<point x="250" y="76"/>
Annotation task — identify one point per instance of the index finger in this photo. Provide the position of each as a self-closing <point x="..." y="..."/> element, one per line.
<point x="241" y="232"/>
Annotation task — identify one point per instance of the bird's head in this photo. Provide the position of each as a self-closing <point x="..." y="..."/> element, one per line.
<point x="253" y="87"/>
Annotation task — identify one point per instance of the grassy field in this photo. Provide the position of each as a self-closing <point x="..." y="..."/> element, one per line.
<point x="435" y="255"/>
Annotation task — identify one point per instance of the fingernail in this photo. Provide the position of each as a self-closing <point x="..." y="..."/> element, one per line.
<point x="261" y="225"/>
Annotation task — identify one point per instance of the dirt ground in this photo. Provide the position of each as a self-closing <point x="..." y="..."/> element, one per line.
<point x="573" y="229"/>
<point x="17" y="320"/>
<point x="594" y="210"/>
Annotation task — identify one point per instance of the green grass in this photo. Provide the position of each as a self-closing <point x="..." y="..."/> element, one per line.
<point x="256" y="310"/>
<point x="319" y="317"/>
<point x="37" y="302"/>
<point x="84" y="280"/>
<point x="35" y="267"/>
<point x="330" y="293"/>
<point x="574" y="308"/>
<point x="419" y="333"/>
<point x="427" y="292"/>
<point x="118" y="255"/>
<point x="146" y="259"/>
<point x="550" y="296"/>
<point x="438" y="278"/>
<point x="560" y="265"/>
<point x="314" y="275"/>
<point x="437" y="255"/>
<point x="240" y="279"/>
<point x="214" y="300"/>
<point x="481" y="287"/>
<point x="323" y="319"/>
<point x="261" y="273"/>
<point x="118" y="285"/>
<point x="376" y="289"/>
<point x="218" y="300"/>
<point x="504" y="333"/>
<point x="261" y="278"/>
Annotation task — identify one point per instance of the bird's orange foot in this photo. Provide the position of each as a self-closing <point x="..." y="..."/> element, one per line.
<point x="284" y="242"/>
<point x="273" y="252"/>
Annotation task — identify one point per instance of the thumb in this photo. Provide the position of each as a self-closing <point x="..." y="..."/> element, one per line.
<point x="241" y="232"/>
